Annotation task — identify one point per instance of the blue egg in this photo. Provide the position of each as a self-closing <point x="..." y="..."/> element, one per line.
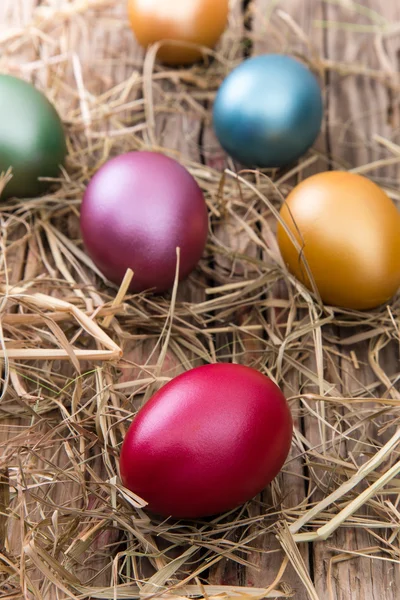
<point x="268" y="111"/>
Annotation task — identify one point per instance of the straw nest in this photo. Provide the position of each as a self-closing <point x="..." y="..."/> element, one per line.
<point x="82" y="356"/>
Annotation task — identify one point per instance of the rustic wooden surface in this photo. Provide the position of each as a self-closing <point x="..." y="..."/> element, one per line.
<point x="356" y="109"/>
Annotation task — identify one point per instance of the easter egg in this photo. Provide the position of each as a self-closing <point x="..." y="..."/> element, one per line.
<point x="206" y="442"/>
<point x="137" y="209"/>
<point x="268" y="111"/>
<point x="32" y="139"/>
<point x="199" y="22"/>
<point x="348" y="230"/>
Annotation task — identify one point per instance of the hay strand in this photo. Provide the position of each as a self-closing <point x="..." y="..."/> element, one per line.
<point x="79" y="357"/>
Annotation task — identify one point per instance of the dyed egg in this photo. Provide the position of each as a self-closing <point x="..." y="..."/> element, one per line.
<point x="268" y="111"/>
<point x="137" y="209"/>
<point x="349" y="232"/>
<point x="208" y="441"/>
<point x="200" y="22"/>
<point x="32" y="139"/>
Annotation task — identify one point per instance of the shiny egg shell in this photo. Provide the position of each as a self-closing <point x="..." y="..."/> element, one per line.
<point x="206" y="442"/>
<point x="199" y="22"/>
<point x="268" y="111"/>
<point x="32" y="139"/>
<point x="137" y="209"/>
<point x="349" y="232"/>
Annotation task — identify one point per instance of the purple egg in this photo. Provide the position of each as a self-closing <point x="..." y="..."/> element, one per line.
<point x="137" y="209"/>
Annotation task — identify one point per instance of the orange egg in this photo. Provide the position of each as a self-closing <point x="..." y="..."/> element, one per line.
<point x="199" y="22"/>
<point x="349" y="232"/>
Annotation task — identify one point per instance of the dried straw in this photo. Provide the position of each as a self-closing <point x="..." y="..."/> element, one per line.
<point x="68" y="529"/>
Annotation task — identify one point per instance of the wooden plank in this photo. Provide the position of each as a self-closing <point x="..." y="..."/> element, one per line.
<point x="229" y="233"/>
<point x="288" y="28"/>
<point x="13" y="430"/>
<point x="267" y="559"/>
<point x="174" y="129"/>
<point x="358" y="110"/>
<point x="93" y="560"/>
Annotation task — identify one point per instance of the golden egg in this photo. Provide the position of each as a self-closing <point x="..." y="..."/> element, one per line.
<point x="349" y="233"/>
<point x="199" y="22"/>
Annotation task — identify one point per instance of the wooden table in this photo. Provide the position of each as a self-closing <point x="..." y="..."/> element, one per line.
<point x="359" y="63"/>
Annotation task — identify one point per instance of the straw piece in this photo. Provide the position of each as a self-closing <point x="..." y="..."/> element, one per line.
<point x="47" y="302"/>
<point x="214" y="592"/>
<point x="292" y="552"/>
<point x="119" y="297"/>
<point x="66" y="521"/>
<point x="367" y="468"/>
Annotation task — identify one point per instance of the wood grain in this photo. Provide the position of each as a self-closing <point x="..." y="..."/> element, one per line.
<point x="290" y="25"/>
<point x="357" y="108"/>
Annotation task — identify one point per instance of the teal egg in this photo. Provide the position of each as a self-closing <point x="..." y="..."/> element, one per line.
<point x="268" y="111"/>
<point x="32" y="140"/>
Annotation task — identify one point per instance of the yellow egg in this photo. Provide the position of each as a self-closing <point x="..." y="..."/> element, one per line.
<point x="349" y="232"/>
<point x="199" y="22"/>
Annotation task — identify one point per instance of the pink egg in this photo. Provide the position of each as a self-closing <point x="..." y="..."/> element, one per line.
<point x="208" y="441"/>
<point x="137" y="209"/>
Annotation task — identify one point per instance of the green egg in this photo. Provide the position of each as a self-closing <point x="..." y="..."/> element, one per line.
<point x="32" y="139"/>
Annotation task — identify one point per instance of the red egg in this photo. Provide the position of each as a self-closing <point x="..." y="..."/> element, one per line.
<point x="208" y="441"/>
<point x="137" y="209"/>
